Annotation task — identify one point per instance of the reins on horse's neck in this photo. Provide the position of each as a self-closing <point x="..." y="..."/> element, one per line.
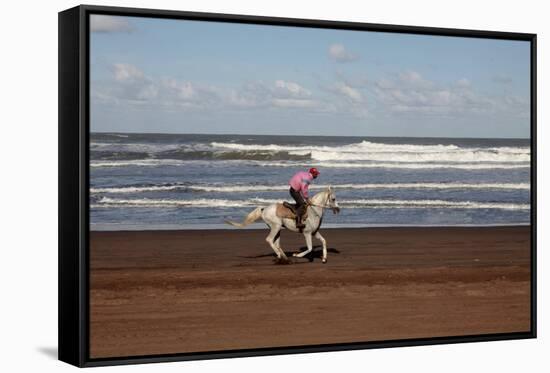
<point x="323" y="207"/>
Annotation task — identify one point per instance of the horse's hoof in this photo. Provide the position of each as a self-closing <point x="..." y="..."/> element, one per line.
<point x="295" y="254"/>
<point x="282" y="261"/>
<point x="324" y="261"/>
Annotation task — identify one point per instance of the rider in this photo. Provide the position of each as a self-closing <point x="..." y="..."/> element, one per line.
<point x="299" y="187"/>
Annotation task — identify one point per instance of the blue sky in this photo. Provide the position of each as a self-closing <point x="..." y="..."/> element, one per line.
<point x="175" y="76"/>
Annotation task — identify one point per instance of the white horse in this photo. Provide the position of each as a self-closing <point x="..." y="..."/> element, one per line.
<point x="316" y="207"/>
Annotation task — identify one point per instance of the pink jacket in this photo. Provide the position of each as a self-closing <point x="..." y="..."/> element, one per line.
<point x="300" y="182"/>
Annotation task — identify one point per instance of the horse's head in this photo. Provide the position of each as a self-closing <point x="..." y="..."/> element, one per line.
<point x="331" y="200"/>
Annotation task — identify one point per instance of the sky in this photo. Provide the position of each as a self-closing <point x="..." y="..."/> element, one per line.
<point x="179" y="76"/>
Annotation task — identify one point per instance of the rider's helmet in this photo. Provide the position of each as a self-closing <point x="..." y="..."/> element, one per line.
<point x="314" y="172"/>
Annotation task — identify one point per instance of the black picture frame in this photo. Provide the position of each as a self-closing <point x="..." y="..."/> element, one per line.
<point x="74" y="128"/>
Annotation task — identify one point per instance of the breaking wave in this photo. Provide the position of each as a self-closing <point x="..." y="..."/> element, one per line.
<point x="365" y="151"/>
<point x="413" y="166"/>
<point x="357" y="203"/>
<point x="389" y="165"/>
<point x="268" y="188"/>
<point x="254" y="155"/>
<point x="379" y="152"/>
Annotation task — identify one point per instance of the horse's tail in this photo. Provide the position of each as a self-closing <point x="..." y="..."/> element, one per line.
<point x="250" y="218"/>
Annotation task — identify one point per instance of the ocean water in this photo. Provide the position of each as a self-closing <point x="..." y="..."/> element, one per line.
<point x="165" y="181"/>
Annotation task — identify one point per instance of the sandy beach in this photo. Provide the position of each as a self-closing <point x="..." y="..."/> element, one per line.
<point x="159" y="292"/>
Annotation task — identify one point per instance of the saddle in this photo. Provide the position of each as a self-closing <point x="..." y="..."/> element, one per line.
<point x="287" y="210"/>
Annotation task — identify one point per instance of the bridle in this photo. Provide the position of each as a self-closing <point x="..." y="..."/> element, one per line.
<point x="334" y="209"/>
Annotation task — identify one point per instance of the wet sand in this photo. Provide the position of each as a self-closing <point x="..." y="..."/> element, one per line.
<point x="160" y="292"/>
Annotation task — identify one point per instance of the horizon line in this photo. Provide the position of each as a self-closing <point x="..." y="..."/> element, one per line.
<point x="252" y="134"/>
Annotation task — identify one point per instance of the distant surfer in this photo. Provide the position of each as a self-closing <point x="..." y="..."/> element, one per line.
<point x="299" y="191"/>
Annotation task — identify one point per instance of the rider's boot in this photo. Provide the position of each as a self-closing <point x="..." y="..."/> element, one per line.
<point x="299" y="224"/>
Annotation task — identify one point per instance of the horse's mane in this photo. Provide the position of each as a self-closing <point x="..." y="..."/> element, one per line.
<point x="322" y="193"/>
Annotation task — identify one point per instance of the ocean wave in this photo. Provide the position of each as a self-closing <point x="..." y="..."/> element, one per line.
<point x="268" y="188"/>
<point x="139" y="147"/>
<point x="363" y="203"/>
<point x="138" y="163"/>
<point x="414" y="166"/>
<point x="463" y="156"/>
<point x="139" y="189"/>
<point x="186" y="154"/>
<point x="357" y="203"/>
<point x="360" y="165"/>
<point x="362" y="146"/>
<point x="363" y="151"/>
<point x="105" y="155"/>
<point x="379" y="152"/>
<point x="145" y="202"/>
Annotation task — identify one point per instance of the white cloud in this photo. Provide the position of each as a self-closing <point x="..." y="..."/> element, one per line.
<point x="349" y="92"/>
<point x="414" y="100"/>
<point x="183" y="90"/>
<point x="133" y="86"/>
<point x="280" y="94"/>
<point x="293" y="103"/>
<point x="410" y="92"/>
<point x="147" y="92"/>
<point x="385" y="83"/>
<point x="104" y="23"/>
<point x="237" y="99"/>
<point x="250" y="95"/>
<point x="190" y="95"/>
<point x="463" y="83"/>
<point x="410" y="76"/>
<point x="413" y="79"/>
<point x="291" y="88"/>
<point x="126" y="72"/>
<point x="339" y="53"/>
<point x="129" y="84"/>
<point x="356" y="80"/>
<point x="347" y="96"/>
<point x="404" y="93"/>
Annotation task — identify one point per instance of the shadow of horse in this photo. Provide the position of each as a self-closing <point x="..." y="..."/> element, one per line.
<point x="314" y="254"/>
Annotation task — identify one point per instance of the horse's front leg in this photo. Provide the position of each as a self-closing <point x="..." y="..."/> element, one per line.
<point x="309" y="246"/>
<point x="324" y="242"/>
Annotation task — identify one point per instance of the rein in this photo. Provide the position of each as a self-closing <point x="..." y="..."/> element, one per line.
<point x="323" y="207"/>
<point x="314" y="205"/>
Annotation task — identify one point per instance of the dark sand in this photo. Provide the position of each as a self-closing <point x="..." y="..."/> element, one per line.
<point x="188" y="291"/>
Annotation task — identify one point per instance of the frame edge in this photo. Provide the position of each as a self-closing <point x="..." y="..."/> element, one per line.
<point x="70" y="260"/>
<point x="72" y="127"/>
<point x="304" y="22"/>
<point x="534" y="185"/>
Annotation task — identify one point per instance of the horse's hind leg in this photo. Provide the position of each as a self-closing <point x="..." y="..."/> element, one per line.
<point x="278" y="242"/>
<point x="324" y="242"/>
